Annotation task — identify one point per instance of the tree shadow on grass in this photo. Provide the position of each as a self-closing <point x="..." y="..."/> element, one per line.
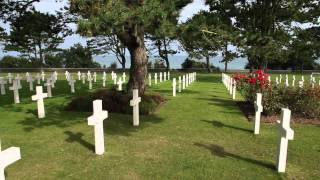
<point x="77" y="137"/>
<point x="221" y="125"/>
<point x="220" y="152"/>
<point x="211" y="78"/>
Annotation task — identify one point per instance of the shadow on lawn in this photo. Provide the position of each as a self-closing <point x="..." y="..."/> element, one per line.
<point x="77" y="137"/>
<point x="211" y="78"/>
<point x="220" y="125"/>
<point x="220" y="152"/>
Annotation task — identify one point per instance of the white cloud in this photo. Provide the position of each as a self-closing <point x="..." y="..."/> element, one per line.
<point x="191" y="9"/>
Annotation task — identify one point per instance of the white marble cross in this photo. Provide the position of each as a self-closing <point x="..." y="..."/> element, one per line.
<point x="15" y="88"/>
<point x="287" y="82"/>
<point x="258" y="108"/>
<point x="3" y="86"/>
<point x="187" y="80"/>
<point x="277" y="80"/>
<point x="168" y="75"/>
<point x="49" y="85"/>
<point x="286" y="134"/>
<point x="43" y="75"/>
<point x="30" y="80"/>
<point x="150" y="79"/>
<point x="38" y="77"/>
<point x="115" y="78"/>
<point x="165" y="76"/>
<point x="160" y="77"/>
<point x="104" y="78"/>
<point x="67" y="75"/>
<point x="27" y="75"/>
<point x="119" y="83"/>
<point x="90" y="82"/>
<point x="95" y="77"/>
<point x="88" y="74"/>
<point x="83" y="75"/>
<point x="179" y="89"/>
<point x="8" y="157"/>
<point x="183" y="82"/>
<point x="79" y="75"/>
<point x="301" y="84"/>
<point x="293" y="80"/>
<point x="174" y="87"/>
<point x="71" y="83"/>
<point x="234" y="90"/>
<point x="155" y="78"/>
<point x="124" y="77"/>
<point x="10" y="78"/>
<point x="96" y="120"/>
<point x="18" y="78"/>
<point x="39" y="98"/>
<point x="135" y="103"/>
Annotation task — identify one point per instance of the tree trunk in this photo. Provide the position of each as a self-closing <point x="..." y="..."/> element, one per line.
<point x="225" y="66"/>
<point x="208" y="63"/>
<point x="167" y="63"/>
<point x="123" y="62"/>
<point x="138" y="69"/>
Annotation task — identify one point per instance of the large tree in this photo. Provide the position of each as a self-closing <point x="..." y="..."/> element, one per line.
<point x="33" y="34"/>
<point x="130" y="20"/>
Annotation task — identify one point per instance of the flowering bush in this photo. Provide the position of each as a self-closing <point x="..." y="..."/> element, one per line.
<point x="304" y="102"/>
<point x="250" y="84"/>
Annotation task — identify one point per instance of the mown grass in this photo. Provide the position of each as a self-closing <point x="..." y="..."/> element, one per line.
<point x="200" y="134"/>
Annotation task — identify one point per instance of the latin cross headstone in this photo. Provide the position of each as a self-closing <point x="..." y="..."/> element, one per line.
<point x="89" y="79"/>
<point x="115" y="78"/>
<point x="183" y="82"/>
<point x="293" y="80"/>
<point x="95" y="77"/>
<point x="8" y="157"/>
<point x="123" y="77"/>
<point x="160" y="77"/>
<point x="71" y="83"/>
<point x="179" y="89"/>
<point x="15" y="88"/>
<point x="287" y="82"/>
<point x="104" y="79"/>
<point x="258" y="108"/>
<point x="150" y="79"/>
<point x="174" y="87"/>
<point x="83" y="76"/>
<point x="53" y="81"/>
<point x="234" y="90"/>
<point x="38" y="77"/>
<point x="119" y="83"/>
<point x="43" y="75"/>
<point x="3" y="86"/>
<point x="10" y="78"/>
<point x="277" y="80"/>
<point x="280" y="79"/>
<point x="96" y="120"/>
<point x="300" y="84"/>
<point x="165" y="76"/>
<point x="48" y="84"/>
<point x="187" y="80"/>
<point x="155" y="78"/>
<point x="286" y="134"/>
<point x="18" y="78"/>
<point x="27" y="75"/>
<point x="39" y="98"/>
<point x="67" y="75"/>
<point x="30" y="80"/>
<point x="168" y="75"/>
<point x="79" y="75"/>
<point x="135" y="104"/>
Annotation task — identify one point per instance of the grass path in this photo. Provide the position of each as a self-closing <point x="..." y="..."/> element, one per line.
<point x="200" y="134"/>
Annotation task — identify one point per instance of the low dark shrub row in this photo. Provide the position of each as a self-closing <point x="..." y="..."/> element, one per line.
<point x="115" y="101"/>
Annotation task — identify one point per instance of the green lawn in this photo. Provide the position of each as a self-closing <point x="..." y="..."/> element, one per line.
<point x="200" y="134"/>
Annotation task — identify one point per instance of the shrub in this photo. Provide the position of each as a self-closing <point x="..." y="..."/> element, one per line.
<point x="113" y="65"/>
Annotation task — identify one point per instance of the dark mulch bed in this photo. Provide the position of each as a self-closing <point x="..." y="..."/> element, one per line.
<point x="115" y="101"/>
<point x="249" y="111"/>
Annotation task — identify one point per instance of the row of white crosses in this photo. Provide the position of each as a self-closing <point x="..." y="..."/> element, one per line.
<point x="183" y="82"/>
<point x="230" y="84"/>
<point x="278" y="81"/>
<point x="285" y="132"/>
<point x="166" y="76"/>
